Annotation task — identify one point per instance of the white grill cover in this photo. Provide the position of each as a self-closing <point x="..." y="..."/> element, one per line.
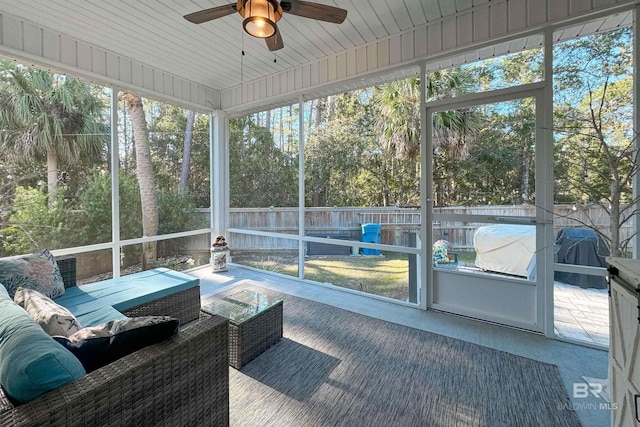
<point x="505" y="248"/>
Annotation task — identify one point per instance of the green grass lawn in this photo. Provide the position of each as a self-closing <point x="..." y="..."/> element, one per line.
<point x="467" y="256"/>
<point x="386" y="275"/>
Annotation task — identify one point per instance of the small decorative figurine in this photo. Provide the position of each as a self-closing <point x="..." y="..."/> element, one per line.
<point x="219" y="255"/>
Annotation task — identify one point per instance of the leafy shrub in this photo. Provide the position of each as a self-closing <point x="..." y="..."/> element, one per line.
<point x="177" y="212"/>
<point x="95" y="205"/>
<point x="33" y="222"/>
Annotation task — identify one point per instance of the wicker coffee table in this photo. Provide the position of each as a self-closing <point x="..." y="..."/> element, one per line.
<point x="255" y="324"/>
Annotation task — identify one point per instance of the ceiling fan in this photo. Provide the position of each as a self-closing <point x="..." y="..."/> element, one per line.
<point x="260" y="16"/>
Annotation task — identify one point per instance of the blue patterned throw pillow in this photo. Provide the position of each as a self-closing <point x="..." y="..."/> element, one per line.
<point x="37" y="271"/>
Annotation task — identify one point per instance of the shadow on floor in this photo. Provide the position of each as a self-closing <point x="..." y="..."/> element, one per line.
<point x="298" y="381"/>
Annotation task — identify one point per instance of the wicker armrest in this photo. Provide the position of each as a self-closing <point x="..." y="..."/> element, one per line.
<point x="67" y="267"/>
<point x="180" y="382"/>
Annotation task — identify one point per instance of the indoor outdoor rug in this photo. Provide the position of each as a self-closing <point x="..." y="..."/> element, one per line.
<point x="337" y="368"/>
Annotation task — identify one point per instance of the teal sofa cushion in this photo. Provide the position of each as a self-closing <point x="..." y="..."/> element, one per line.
<point x="31" y="362"/>
<point x="101" y="315"/>
<point x="123" y="293"/>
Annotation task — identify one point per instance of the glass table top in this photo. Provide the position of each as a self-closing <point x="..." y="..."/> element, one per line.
<point x="241" y="307"/>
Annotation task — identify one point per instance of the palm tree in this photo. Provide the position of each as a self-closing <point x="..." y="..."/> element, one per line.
<point x="186" y="156"/>
<point x="398" y="123"/>
<point x="45" y="115"/>
<point x="398" y="117"/>
<point x="146" y="181"/>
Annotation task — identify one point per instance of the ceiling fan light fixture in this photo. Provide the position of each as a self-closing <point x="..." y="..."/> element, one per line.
<point x="260" y="16"/>
<point x="259" y="27"/>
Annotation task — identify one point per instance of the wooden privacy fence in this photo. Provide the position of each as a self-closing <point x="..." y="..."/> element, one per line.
<point x="346" y="223"/>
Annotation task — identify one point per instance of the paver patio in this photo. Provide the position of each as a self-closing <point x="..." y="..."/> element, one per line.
<point x="581" y="314"/>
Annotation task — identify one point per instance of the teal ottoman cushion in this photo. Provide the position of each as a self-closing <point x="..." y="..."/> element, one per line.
<point x="124" y="293"/>
<point x="31" y="362"/>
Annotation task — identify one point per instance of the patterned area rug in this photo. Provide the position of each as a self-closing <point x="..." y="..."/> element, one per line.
<point x="337" y="368"/>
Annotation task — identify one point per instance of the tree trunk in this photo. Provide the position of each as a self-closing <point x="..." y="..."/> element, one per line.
<point x="308" y="125"/>
<point x="146" y="182"/>
<point x="281" y="129"/>
<point x="331" y="105"/>
<point x="317" y="198"/>
<point x="290" y="138"/>
<point x="320" y="106"/>
<point x="614" y="221"/>
<point x="186" y="155"/>
<point x="52" y="173"/>
<point x="526" y="165"/>
<point x="267" y="119"/>
<point x="125" y="161"/>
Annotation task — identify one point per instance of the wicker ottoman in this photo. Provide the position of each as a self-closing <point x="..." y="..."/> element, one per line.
<point x="255" y="324"/>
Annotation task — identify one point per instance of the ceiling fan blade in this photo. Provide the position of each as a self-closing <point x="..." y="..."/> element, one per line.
<point x="210" y="14"/>
<point x="275" y="41"/>
<point x="321" y="12"/>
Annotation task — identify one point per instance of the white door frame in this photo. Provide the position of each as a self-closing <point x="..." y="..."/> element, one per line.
<point x="537" y="319"/>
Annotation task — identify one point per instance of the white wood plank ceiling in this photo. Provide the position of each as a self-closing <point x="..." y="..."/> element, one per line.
<point x="155" y="33"/>
<point x="155" y="48"/>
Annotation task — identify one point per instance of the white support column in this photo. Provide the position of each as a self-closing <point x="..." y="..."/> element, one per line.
<point x="219" y="172"/>
<point x="301" y="189"/>
<point x="544" y="188"/>
<point x="636" y="126"/>
<point x="425" y="272"/>
<point x="115" y="184"/>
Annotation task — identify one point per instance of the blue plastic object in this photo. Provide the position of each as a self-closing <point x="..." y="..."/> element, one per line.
<point x="371" y="233"/>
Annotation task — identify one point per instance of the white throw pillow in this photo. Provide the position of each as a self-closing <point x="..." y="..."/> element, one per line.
<point x="54" y="319"/>
<point x="115" y="327"/>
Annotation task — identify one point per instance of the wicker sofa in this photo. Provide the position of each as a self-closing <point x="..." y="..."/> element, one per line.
<point x="183" y="381"/>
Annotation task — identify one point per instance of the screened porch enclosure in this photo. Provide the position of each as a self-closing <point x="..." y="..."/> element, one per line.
<point x="304" y="164"/>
